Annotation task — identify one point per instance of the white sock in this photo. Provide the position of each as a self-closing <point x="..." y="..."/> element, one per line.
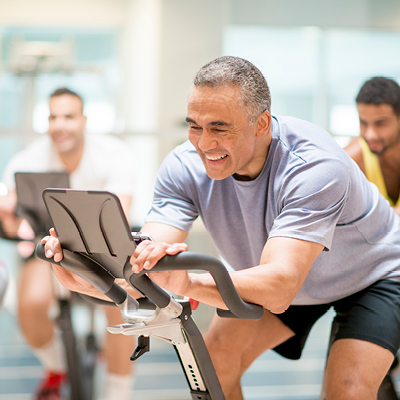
<point x="118" y="387"/>
<point x="52" y="355"/>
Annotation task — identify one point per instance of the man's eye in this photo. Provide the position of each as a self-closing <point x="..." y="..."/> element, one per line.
<point x="219" y="130"/>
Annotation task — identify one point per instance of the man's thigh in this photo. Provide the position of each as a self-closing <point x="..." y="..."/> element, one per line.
<point x="235" y="343"/>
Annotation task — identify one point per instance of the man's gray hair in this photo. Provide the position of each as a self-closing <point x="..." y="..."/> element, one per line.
<point x="224" y="71"/>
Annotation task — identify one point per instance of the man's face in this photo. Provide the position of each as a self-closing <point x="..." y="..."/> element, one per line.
<point x="221" y="133"/>
<point x="379" y="126"/>
<point x="66" y="122"/>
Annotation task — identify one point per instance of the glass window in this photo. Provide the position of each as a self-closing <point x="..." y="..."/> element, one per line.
<point x="314" y="73"/>
<point x="38" y="61"/>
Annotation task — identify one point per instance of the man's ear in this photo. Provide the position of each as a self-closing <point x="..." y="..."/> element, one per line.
<point x="263" y="123"/>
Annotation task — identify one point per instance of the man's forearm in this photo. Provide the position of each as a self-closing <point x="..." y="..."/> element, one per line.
<point x="262" y="285"/>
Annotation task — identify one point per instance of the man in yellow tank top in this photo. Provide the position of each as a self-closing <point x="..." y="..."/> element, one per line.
<point x="377" y="149"/>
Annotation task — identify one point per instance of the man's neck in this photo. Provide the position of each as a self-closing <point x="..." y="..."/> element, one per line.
<point x="260" y="158"/>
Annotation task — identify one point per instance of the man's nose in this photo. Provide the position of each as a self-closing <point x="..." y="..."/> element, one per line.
<point x="58" y="123"/>
<point x="370" y="133"/>
<point x="207" y="141"/>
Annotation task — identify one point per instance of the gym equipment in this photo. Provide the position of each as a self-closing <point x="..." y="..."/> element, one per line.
<point x="97" y="245"/>
<point x="80" y="359"/>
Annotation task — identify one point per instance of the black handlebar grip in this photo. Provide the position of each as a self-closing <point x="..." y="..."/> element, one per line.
<point x="89" y="270"/>
<point x="40" y="254"/>
<point x="198" y="261"/>
<point x="146" y="287"/>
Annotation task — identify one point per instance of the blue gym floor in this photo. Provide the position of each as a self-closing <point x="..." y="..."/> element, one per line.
<point x="158" y="374"/>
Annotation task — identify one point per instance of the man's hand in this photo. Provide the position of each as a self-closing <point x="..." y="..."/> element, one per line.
<point x="67" y="278"/>
<point x="52" y="246"/>
<point x="146" y="256"/>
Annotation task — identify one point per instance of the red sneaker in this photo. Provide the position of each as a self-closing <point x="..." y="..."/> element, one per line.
<point x="49" y="388"/>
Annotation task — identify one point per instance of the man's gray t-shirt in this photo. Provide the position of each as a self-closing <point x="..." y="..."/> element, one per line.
<point x="309" y="189"/>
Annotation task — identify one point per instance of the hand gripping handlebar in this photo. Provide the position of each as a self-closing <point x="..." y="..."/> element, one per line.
<point x="197" y="261"/>
<point x="91" y="271"/>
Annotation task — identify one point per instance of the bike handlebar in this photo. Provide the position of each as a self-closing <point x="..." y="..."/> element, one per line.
<point x="198" y="261"/>
<point x="104" y="282"/>
<point x="89" y="270"/>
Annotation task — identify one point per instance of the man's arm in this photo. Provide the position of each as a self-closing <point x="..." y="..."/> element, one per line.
<point x="285" y="263"/>
<point x="73" y="282"/>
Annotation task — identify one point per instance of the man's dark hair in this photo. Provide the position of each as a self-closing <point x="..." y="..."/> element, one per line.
<point x="380" y="90"/>
<point x="65" y="91"/>
<point x="224" y="71"/>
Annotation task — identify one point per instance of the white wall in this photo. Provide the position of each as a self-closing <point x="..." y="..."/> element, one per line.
<point x="81" y="13"/>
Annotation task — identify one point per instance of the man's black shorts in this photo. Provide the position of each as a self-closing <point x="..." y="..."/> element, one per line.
<point x="372" y="314"/>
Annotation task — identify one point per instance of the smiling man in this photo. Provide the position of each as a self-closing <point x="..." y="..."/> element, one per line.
<point x="296" y="219"/>
<point x="377" y="149"/>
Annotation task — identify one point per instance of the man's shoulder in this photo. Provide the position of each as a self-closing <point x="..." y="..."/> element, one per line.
<point x="185" y="153"/>
<point x="103" y="140"/>
<point x="185" y="148"/>
<point x="305" y="138"/>
<point x="297" y="125"/>
<point x="38" y="147"/>
<point x="106" y="146"/>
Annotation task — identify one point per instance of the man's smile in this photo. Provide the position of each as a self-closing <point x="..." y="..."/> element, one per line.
<point x="215" y="158"/>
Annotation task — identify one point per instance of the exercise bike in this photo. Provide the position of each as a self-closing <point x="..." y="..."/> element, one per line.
<point x="81" y="358"/>
<point x="97" y="245"/>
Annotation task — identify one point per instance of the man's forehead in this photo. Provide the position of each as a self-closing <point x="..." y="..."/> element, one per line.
<point x="214" y="91"/>
<point x="213" y="102"/>
<point x="383" y="109"/>
<point x="65" y="104"/>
